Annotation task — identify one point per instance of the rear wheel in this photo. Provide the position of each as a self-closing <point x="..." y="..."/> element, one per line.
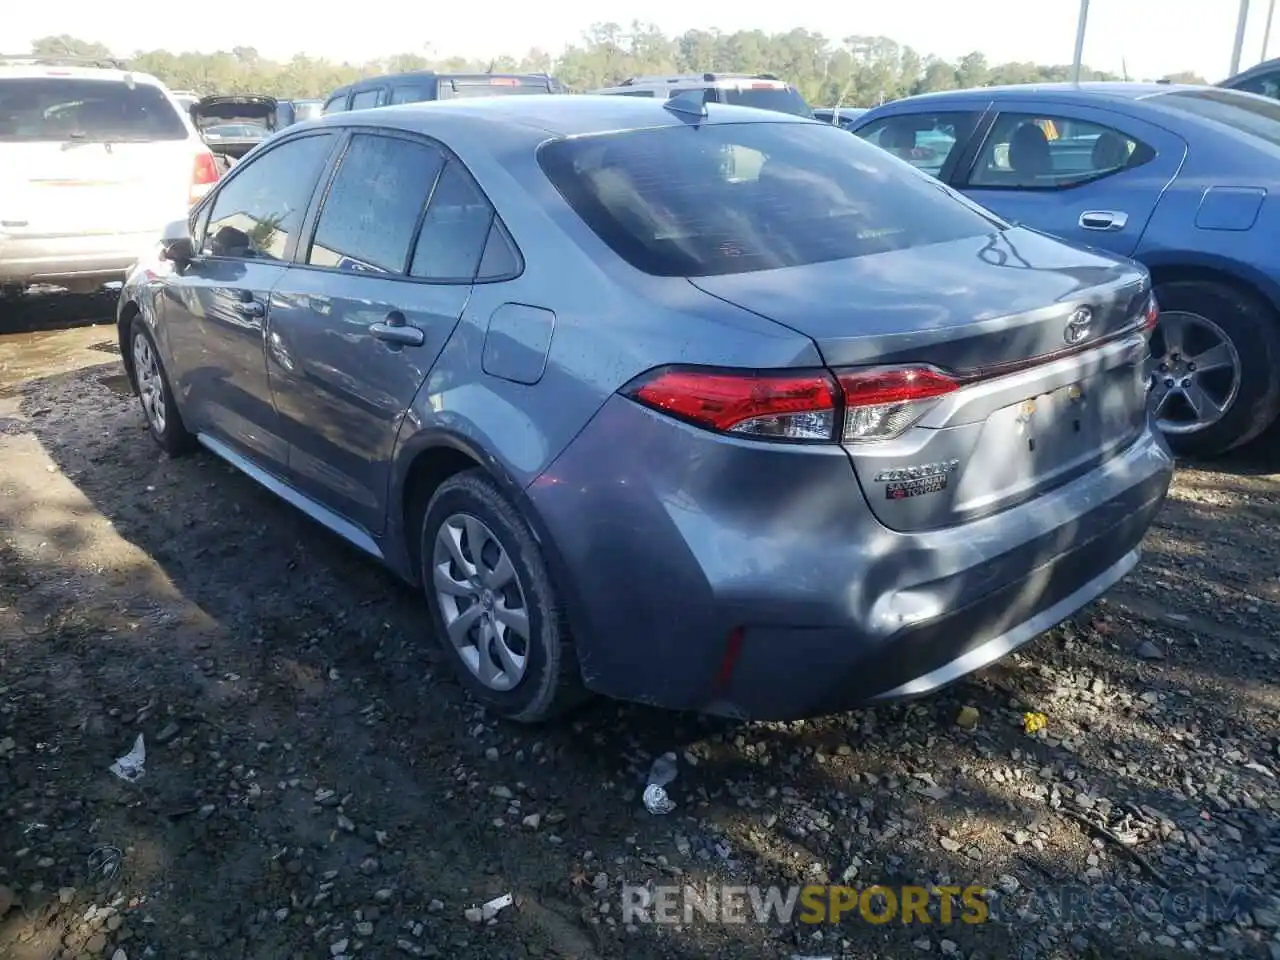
<point x="152" y="386"/>
<point x="1215" y="381"/>
<point x="494" y="608"/>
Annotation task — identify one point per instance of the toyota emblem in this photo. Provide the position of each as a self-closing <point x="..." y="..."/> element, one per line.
<point x="1077" y="328"/>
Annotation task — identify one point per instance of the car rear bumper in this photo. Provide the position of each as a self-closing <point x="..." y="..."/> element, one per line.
<point x="32" y="259"/>
<point x="751" y="580"/>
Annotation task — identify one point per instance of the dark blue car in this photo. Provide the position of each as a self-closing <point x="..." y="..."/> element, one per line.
<point x="1183" y="179"/>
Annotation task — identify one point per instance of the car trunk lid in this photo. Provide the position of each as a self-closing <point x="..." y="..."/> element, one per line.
<point x="1045" y="344"/>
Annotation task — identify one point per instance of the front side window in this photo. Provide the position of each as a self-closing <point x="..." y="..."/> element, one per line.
<point x="925" y="140"/>
<point x="723" y="198"/>
<point x="337" y="104"/>
<point x="68" y="110"/>
<point x="260" y="209"/>
<point x="1033" y="152"/>
<point x="372" y="208"/>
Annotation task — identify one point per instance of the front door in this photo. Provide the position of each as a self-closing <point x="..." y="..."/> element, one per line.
<point x="216" y="310"/>
<point x="1088" y="175"/>
<point x="357" y="325"/>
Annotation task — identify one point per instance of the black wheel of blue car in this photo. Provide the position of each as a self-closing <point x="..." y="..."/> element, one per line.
<point x="151" y="384"/>
<point x="1215" y="381"/>
<point x="493" y="605"/>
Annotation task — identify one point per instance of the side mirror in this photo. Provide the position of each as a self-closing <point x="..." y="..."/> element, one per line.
<point x="177" y="250"/>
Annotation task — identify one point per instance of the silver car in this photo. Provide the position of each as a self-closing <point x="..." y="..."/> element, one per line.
<point x="699" y="406"/>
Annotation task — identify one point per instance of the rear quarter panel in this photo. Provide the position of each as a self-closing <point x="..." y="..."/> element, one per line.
<point x="1222" y="213"/>
<point x="611" y="323"/>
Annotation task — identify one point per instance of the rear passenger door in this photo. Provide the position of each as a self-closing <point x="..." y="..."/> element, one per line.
<point x="359" y="321"/>
<point x="1090" y="176"/>
<point x="368" y="97"/>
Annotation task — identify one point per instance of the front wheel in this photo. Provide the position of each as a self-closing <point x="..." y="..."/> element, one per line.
<point x="493" y="604"/>
<point x="1215" y="361"/>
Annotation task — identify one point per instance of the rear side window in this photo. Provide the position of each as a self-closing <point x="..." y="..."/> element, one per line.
<point x="366" y="99"/>
<point x="336" y="104"/>
<point x="1040" y="152"/>
<point x="58" y="109"/>
<point x="462" y="87"/>
<point x="763" y="97"/>
<point x="1254" y="116"/>
<point x="925" y="140"/>
<point x="372" y="207"/>
<point x="260" y="209"/>
<point x="732" y="198"/>
<point x="407" y="94"/>
<point x="455" y="230"/>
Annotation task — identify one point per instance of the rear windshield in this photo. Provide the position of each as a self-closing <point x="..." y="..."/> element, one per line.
<point x="692" y="201"/>
<point x="34" y="109"/>
<point x="781" y="99"/>
<point x="1253" y="115"/>
<point x="493" y="86"/>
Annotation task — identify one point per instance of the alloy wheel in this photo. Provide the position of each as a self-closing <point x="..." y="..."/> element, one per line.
<point x="482" y="601"/>
<point x="1195" y="372"/>
<point x="150" y="383"/>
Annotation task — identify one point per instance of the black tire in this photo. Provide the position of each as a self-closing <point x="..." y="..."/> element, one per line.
<point x="551" y="683"/>
<point x="174" y="439"/>
<point x="1254" y="330"/>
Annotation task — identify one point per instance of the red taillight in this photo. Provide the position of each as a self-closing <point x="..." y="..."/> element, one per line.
<point x="504" y="82"/>
<point x="881" y="404"/>
<point x="780" y="406"/>
<point x="1152" y="316"/>
<point x="203" y="176"/>
<point x="857" y="406"/>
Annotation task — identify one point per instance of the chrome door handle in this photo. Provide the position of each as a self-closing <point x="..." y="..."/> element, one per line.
<point x="249" y="308"/>
<point x="1103" y="220"/>
<point x="395" y="330"/>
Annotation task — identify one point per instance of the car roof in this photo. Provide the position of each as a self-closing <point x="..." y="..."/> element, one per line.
<point x="36" y="71"/>
<point x="554" y="114"/>
<point x="382" y="78"/>
<point x="1266" y="66"/>
<point x="1078" y="93"/>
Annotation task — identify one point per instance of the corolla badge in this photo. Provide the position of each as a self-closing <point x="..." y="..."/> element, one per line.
<point x="1077" y="328"/>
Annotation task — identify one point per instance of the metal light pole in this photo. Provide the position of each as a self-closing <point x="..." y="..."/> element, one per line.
<point x="1271" y="12"/>
<point x="1084" y="19"/>
<point x="1239" y="44"/>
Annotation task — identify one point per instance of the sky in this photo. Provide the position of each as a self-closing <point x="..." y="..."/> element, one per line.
<point x="1148" y="37"/>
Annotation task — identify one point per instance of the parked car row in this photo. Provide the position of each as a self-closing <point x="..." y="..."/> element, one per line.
<point x="804" y="430"/>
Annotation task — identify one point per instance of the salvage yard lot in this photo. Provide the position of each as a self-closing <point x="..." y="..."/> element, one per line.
<point x="317" y="784"/>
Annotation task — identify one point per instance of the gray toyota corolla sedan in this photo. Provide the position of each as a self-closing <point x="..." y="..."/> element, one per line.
<point x="687" y="404"/>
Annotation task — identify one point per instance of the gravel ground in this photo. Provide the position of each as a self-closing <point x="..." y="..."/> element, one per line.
<point x="318" y="786"/>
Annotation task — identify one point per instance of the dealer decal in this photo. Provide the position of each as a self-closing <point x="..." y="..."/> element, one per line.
<point x="901" y="489"/>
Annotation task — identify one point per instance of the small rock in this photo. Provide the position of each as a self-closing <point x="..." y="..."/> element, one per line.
<point x="96" y="944"/>
<point x="491" y="754"/>
<point x="364" y="928"/>
<point x="950" y="845"/>
<point x="167" y="733"/>
<point x="532" y="821"/>
<point x="338" y="947"/>
<point x="119" y="954"/>
<point x="435" y="906"/>
<point x="66" y="895"/>
<point x="473" y="914"/>
<point x="502" y="793"/>
<point x="967" y="718"/>
<point x="345" y="824"/>
<point x="1149" y="651"/>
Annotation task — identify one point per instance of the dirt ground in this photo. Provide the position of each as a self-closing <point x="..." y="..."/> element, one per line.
<point x="317" y="785"/>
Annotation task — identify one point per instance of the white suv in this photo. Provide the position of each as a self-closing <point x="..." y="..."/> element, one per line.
<point x="94" y="162"/>
<point x="763" y="91"/>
